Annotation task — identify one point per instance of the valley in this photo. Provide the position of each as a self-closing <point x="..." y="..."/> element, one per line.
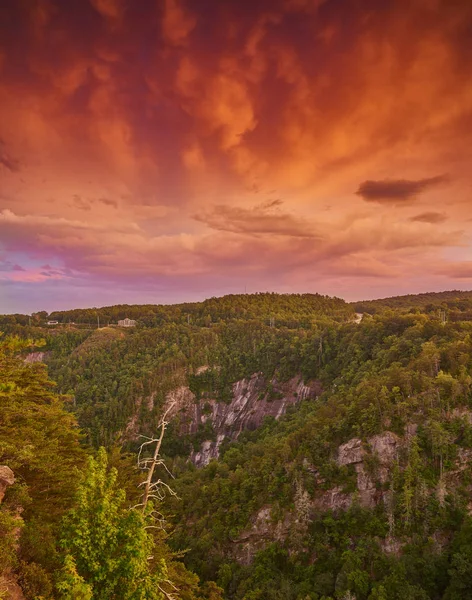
<point x="312" y="454"/>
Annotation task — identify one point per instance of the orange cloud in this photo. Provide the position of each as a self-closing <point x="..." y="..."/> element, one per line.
<point x="262" y="219"/>
<point x="149" y="140"/>
<point x="177" y="23"/>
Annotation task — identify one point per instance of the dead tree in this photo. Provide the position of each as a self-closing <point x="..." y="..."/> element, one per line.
<point x="154" y="489"/>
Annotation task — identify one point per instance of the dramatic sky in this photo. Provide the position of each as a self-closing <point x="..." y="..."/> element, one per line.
<point x="170" y="150"/>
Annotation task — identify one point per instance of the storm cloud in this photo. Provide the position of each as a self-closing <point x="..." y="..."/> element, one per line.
<point x="397" y="190"/>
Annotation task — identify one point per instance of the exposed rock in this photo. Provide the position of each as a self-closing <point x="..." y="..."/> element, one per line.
<point x="247" y="410"/>
<point x="367" y="488"/>
<point x="208" y="451"/>
<point x="180" y="399"/>
<point x="34" y="357"/>
<point x="10" y="588"/>
<point x="150" y="401"/>
<point x="410" y="431"/>
<point x="261" y="531"/>
<point x="391" y="545"/>
<point x="334" y="499"/>
<point x="463" y="460"/>
<point x="351" y="452"/>
<point x="461" y="412"/>
<point x="385" y="446"/>
<point x="7" y="478"/>
<point x="132" y="427"/>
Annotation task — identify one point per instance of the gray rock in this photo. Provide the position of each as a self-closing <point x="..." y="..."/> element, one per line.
<point x="351" y="452"/>
<point x="385" y="445"/>
<point x="248" y="408"/>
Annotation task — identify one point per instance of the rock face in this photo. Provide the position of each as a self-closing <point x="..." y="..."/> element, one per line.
<point x="34" y="357"/>
<point x="351" y="452"/>
<point x="384" y="448"/>
<point x="249" y="406"/>
<point x="262" y="530"/>
<point x="7" y="478"/>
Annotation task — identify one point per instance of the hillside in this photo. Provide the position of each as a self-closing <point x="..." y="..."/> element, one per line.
<point x="455" y="302"/>
<point x="315" y="457"/>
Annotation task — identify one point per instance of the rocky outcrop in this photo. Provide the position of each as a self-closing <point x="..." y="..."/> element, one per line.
<point x="351" y="452"/>
<point x="251" y="403"/>
<point x="334" y="499"/>
<point x="262" y="530"/>
<point x="10" y="589"/>
<point x="34" y="357"/>
<point x="7" y="478"/>
<point x="383" y="448"/>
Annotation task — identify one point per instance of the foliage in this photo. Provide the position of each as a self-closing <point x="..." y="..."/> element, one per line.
<point x="109" y="543"/>
<point x="406" y="369"/>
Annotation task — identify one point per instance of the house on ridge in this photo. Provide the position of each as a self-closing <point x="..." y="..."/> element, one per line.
<point x="126" y="323"/>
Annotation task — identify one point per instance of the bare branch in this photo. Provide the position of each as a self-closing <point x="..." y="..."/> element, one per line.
<point x="152" y="489"/>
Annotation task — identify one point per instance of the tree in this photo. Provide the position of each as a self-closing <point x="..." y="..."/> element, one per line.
<point x="71" y="585"/>
<point x="109" y="543"/>
<point x="39" y="441"/>
<point x="460" y="583"/>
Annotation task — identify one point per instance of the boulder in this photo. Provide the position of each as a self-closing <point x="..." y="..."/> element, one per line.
<point x="7" y="478"/>
<point x="351" y="452"/>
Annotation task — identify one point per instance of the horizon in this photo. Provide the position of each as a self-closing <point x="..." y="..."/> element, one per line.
<point x="167" y="152"/>
<point x="91" y="307"/>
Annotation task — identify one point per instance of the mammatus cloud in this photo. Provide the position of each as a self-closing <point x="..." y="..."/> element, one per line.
<point x="110" y="9"/>
<point x="430" y="217"/>
<point x="138" y="139"/>
<point x="397" y="190"/>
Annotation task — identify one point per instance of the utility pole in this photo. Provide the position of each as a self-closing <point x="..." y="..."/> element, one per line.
<point x="98" y="321"/>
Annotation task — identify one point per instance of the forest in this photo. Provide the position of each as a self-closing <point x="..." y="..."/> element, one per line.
<point x="362" y="491"/>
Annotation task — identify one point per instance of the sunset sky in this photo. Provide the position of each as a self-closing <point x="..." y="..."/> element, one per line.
<point x="171" y="150"/>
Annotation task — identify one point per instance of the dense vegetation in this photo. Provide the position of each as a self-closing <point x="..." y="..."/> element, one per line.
<point x="278" y="515"/>
<point x="68" y="531"/>
<point x="452" y="302"/>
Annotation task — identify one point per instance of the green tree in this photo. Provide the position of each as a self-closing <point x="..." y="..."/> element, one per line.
<point x="460" y="583"/>
<point x="71" y="585"/>
<point x="108" y="542"/>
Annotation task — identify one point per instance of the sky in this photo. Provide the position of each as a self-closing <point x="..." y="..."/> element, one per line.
<point x="156" y="151"/>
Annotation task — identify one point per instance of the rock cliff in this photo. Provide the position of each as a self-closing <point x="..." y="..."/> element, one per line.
<point x="381" y="449"/>
<point x="251" y="402"/>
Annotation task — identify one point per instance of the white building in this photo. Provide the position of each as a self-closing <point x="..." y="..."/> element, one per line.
<point x="126" y="323"/>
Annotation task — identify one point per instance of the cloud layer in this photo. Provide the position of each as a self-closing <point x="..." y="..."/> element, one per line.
<point x="174" y="150"/>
